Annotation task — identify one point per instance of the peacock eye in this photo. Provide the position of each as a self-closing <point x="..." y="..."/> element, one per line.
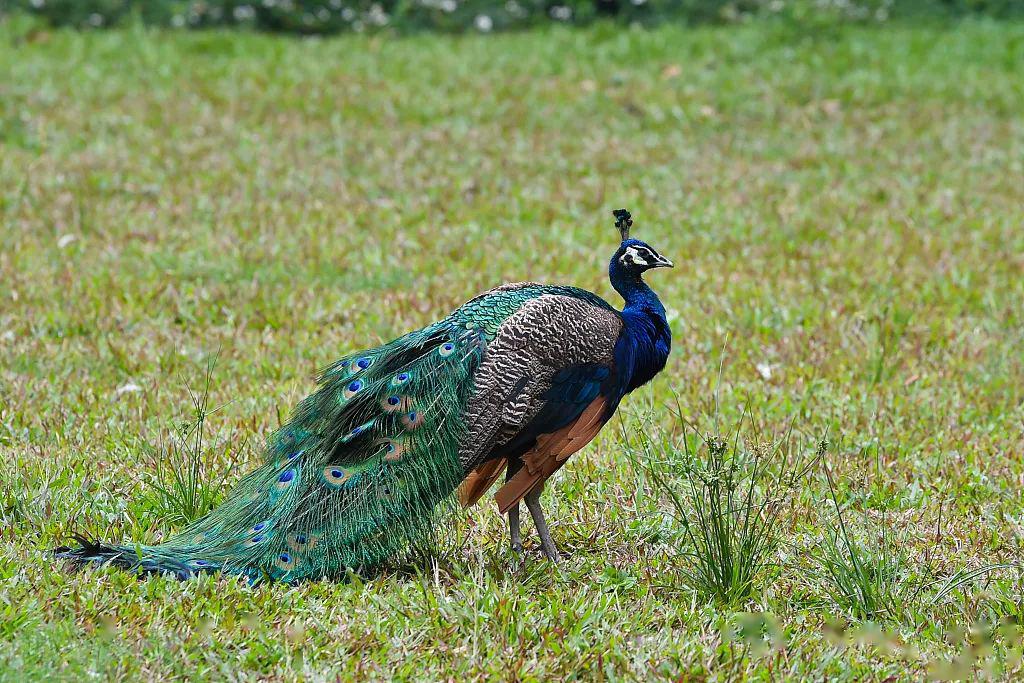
<point x="392" y="450"/>
<point x="393" y="403"/>
<point x="353" y="388"/>
<point x="285" y="561"/>
<point x="446" y="349"/>
<point x="412" y="420"/>
<point x="285" y="480"/>
<point x="300" y="542"/>
<point x="364" y="363"/>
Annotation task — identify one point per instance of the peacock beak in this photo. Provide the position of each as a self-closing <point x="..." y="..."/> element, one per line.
<point x="662" y="262"/>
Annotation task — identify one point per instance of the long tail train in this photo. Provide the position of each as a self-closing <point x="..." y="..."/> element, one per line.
<point x="355" y="479"/>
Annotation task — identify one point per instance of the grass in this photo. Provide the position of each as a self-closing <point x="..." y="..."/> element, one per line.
<point x="844" y="213"/>
<point x="184" y="487"/>
<point x="871" y="578"/>
<point x="727" y="495"/>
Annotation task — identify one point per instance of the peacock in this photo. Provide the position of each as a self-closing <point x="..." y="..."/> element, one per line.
<point x="514" y="381"/>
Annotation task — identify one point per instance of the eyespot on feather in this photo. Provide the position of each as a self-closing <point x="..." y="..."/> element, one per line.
<point x="339" y="368"/>
<point x="285" y="561"/>
<point x="361" y="364"/>
<point x="352" y="388"/>
<point x="400" y="379"/>
<point x="336" y="476"/>
<point x="412" y="419"/>
<point x="285" y="480"/>
<point x="446" y="349"/>
<point x="255" y="540"/>
<point x="392" y="449"/>
<point x="394" y="403"/>
<point x="299" y="542"/>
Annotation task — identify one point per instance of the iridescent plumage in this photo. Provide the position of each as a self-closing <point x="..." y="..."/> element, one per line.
<point x="358" y="475"/>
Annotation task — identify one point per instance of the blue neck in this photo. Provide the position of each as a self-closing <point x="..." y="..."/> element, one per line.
<point x="646" y="338"/>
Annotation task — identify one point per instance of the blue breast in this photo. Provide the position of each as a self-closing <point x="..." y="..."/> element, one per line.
<point x="643" y="345"/>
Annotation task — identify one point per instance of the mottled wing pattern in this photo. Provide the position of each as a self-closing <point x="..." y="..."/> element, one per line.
<point x="548" y="362"/>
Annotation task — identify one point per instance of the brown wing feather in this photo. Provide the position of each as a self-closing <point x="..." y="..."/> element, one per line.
<point x="550" y="453"/>
<point x="479" y="480"/>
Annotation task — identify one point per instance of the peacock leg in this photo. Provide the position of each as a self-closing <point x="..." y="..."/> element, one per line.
<point x="513" y="514"/>
<point x="533" y="505"/>
<point x="513" y="529"/>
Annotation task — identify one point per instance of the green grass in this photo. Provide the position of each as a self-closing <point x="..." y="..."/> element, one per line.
<point x="845" y="214"/>
<point x="872" y="578"/>
<point x="184" y="487"/>
<point x="727" y="495"/>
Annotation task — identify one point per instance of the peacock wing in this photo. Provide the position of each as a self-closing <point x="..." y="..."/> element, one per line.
<point x="549" y="366"/>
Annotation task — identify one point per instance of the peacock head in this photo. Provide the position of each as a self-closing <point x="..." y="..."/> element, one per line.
<point x="633" y="257"/>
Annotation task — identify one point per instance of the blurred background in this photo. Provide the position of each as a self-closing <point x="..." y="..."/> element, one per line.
<point x="331" y="16"/>
<point x="322" y="17"/>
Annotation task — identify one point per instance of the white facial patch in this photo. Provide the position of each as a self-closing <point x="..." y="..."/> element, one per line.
<point x="633" y="256"/>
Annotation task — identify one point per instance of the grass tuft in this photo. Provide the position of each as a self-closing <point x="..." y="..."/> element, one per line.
<point x="871" y="579"/>
<point x="876" y="578"/>
<point x="184" y="481"/>
<point x="727" y="496"/>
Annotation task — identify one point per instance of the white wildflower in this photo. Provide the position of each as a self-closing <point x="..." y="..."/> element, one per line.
<point x="483" y="23"/>
<point x="129" y="388"/>
<point x="561" y="12"/>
